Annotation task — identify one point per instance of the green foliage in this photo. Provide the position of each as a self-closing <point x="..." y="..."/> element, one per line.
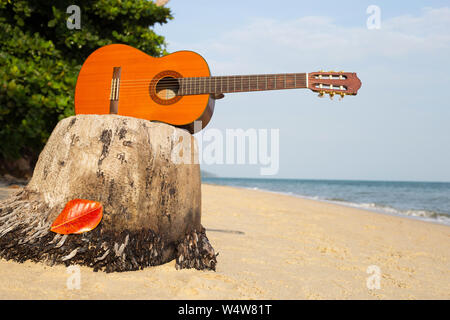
<point x="40" y="59"/>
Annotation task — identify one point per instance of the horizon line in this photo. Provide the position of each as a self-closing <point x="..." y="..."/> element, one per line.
<point x="323" y="179"/>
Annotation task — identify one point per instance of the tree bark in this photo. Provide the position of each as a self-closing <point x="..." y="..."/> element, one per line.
<point x="144" y="176"/>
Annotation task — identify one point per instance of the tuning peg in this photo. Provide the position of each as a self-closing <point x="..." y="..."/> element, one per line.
<point x="321" y="94"/>
<point x="331" y="95"/>
<point x="342" y="95"/>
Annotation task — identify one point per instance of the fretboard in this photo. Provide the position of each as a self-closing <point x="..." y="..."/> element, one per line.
<point x="244" y="83"/>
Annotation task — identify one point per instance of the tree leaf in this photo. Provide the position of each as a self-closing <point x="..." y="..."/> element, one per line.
<point x="78" y="216"/>
<point x="36" y="47"/>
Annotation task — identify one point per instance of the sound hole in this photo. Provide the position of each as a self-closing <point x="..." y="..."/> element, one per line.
<point x="167" y="88"/>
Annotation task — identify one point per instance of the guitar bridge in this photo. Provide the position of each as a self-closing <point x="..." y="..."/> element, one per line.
<point x="114" y="91"/>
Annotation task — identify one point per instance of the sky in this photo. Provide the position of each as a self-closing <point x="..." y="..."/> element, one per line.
<point x="396" y="128"/>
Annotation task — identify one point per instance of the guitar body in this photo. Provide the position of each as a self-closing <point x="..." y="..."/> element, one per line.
<point x="145" y="88"/>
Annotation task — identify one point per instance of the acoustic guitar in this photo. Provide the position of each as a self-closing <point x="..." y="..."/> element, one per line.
<point x="178" y="89"/>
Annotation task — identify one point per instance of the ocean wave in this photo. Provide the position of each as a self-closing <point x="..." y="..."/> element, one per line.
<point x="420" y="214"/>
<point x="427" y="215"/>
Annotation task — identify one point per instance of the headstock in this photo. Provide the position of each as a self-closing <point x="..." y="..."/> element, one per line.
<point x="332" y="82"/>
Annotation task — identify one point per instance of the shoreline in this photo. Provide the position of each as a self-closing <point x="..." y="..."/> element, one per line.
<point x="348" y="204"/>
<point x="271" y="246"/>
<point x="333" y="203"/>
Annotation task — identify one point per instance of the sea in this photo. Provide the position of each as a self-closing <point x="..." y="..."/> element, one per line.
<point x="428" y="201"/>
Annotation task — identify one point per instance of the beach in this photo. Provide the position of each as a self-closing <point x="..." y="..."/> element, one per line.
<point x="271" y="246"/>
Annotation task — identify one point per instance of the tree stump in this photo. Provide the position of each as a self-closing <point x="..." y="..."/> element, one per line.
<point x="144" y="175"/>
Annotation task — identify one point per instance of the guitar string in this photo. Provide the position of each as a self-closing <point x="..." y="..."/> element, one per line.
<point x="211" y="83"/>
<point x="212" y="77"/>
<point x="227" y="86"/>
<point x="201" y="91"/>
<point x="198" y="87"/>
<point x="208" y="82"/>
<point x="202" y="80"/>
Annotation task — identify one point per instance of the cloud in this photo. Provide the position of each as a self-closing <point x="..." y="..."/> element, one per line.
<point x="314" y="39"/>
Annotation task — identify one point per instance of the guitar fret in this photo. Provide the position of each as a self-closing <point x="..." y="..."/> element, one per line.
<point x="261" y="82"/>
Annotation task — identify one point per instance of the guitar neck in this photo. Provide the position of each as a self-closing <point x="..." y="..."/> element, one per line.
<point x="244" y="83"/>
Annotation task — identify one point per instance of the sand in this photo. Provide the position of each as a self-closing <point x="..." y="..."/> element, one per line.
<point x="272" y="246"/>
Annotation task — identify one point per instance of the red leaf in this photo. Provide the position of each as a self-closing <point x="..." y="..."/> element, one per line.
<point x="78" y="216"/>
